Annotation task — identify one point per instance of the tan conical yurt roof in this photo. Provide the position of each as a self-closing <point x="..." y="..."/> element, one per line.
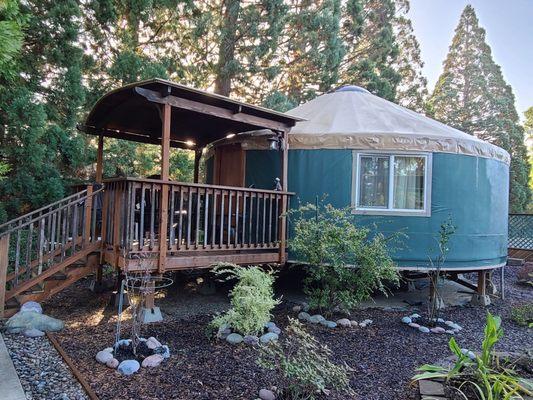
<point x="353" y="118"/>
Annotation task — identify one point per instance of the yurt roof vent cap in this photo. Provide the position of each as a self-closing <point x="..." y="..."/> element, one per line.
<point x="351" y="88"/>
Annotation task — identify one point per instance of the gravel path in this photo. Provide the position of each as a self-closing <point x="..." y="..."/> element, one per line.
<point x="383" y="356"/>
<point x="41" y="370"/>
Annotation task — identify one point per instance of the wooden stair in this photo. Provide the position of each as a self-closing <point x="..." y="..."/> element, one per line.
<point x="48" y="250"/>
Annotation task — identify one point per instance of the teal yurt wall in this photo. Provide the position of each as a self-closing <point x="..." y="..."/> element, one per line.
<point x="472" y="190"/>
<point x="461" y="177"/>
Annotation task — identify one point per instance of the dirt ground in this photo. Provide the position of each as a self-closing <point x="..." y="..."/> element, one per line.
<point x="383" y="356"/>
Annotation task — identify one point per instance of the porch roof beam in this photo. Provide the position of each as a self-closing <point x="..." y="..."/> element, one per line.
<point x="237" y="115"/>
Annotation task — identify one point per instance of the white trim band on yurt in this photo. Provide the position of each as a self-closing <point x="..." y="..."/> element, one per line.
<point x="353" y="118"/>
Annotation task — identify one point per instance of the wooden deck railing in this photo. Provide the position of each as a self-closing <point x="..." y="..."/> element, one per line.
<point x="199" y="218"/>
<point x="41" y="243"/>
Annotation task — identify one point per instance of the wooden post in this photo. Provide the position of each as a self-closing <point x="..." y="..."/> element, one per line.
<point x="100" y="159"/>
<point x="88" y="216"/>
<point x="4" y="261"/>
<point x="197" y="157"/>
<point x="117" y="209"/>
<point x="163" y="215"/>
<point x="285" y="187"/>
<point x="481" y="282"/>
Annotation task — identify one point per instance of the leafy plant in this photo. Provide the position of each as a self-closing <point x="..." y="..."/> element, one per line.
<point x="446" y="231"/>
<point x="523" y="314"/>
<point x="483" y="374"/>
<point x="345" y="264"/>
<point x="304" y="365"/>
<point x="252" y="298"/>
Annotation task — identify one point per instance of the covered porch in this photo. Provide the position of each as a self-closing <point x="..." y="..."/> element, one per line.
<point x="165" y="225"/>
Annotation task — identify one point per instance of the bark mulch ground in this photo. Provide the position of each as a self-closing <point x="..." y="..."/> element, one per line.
<point x="383" y="356"/>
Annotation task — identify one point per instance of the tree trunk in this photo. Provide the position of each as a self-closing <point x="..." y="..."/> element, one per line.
<point x="226" y="54"/>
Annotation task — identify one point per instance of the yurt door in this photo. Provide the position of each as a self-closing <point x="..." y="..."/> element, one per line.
<point x="229" y="165"/>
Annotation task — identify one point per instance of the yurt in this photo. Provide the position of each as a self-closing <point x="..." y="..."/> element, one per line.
<point x="397" y="169"/>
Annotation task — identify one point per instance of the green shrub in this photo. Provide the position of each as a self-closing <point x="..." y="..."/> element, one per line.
<point x="345" y="264"/>
<point x="523" y="315"/>
<point x="252" y="298"/>
<point x="303" y="364"/>
<point x="484" y="375"/>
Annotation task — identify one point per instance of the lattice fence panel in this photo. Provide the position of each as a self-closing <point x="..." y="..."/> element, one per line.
<point x="521" y="231"/>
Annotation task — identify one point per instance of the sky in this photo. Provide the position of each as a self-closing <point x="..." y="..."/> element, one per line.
<point x="509" y="28"/>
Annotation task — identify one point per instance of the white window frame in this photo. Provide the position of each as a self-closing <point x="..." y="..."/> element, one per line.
<point x="356" y="209"/>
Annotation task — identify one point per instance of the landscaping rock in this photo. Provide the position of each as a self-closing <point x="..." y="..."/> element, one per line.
<point x="414" y="316"/>
<point x="270" y="324"/>
<point x="152" y="343"/>
<point x="297" y="309"/>
<point x="449" y="323"/>
<point x="113" y="363"/>
<point x="31" y="306"/>
<point x="124" y="342"/>
<point x="354" y="324"/>
<point x="316" y="319"/>
<point x="451" y="332"/>
<point x="423" y="329"/>
<point x="22" y="321"/>
<point x="33" y="333"/>
<point x="128" y="367"/>
<point x="304" y="316"/>
<point x="265" y="394"/>
<point x="152" y="361"/>
<point x="344" y="322"/>
<point x="234" y="338"/>
<point x="108" y="349"/>
<point x="367" y="321"/>
<point x="163" y="350"/>
<point x="274" y="329"/>
<point x="414" y="325"/>
<point x="251" y="340"/>
<point x="305" y="306"/>
<point x="223" y="331"/>
<point x="268" y="337"/>
<point x="330" y="324"/>
<point x="407" y="320"/>
<point x="438" y="329"/>
<point x="104" y="356"/>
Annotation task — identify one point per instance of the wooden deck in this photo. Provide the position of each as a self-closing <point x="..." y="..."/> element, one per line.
<point x="199" y="225"/>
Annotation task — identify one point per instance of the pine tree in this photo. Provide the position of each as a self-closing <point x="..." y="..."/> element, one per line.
<point x="528" y="127"/>
<point x="373" y="51"/>
<point x="40" y="107"/>
<point x="472" y="95"/>
<point x="411" y="91"/>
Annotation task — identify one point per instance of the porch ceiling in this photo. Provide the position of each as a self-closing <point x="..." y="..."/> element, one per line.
<point x="133" y="113"/>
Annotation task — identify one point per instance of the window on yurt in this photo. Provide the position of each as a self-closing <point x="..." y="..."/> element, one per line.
<point x="392" y="183"/>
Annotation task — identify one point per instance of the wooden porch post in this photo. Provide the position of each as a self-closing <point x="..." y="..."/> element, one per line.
<point x="197" y="157"/>
<point x="100" y="159"/>
<point x="4" y="261"/>
<point x="285" y="187"/>
<point x="165" y="166"/>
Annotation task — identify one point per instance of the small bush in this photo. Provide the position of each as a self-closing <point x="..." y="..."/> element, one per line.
<point x="523" y="315"/>
<point x="303" y="364"/>
<point x="252" y="298"/>
<point x="346" y="264"/>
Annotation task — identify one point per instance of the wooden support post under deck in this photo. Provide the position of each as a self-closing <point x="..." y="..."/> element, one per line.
<point x="165" y="166"/>
<point x="88" y="215"/>
<point x="4" y="261"/>
<point x="285" y="187"/>
<point x="481" y="282"/>
<point x="100" y="159"/>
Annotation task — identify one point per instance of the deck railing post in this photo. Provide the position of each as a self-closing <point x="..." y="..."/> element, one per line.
<point x="165" y="166"/>
<point x="285" y="187"/>
<point x="88" y="216"/>
<point x="4" y="262"/>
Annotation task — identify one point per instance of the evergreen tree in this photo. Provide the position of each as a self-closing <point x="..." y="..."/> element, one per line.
<point x="373" y="51"/>
<point x="472" y="95"/>
<point x="411" y="91"/>
<point x="40" y="107"/>
<point x="528" y="127"/>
